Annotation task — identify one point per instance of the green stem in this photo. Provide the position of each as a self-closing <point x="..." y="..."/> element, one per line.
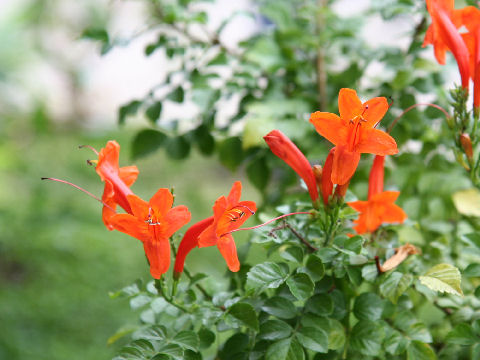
<point x="159" y="285"/>
<point x="199" y="287"/>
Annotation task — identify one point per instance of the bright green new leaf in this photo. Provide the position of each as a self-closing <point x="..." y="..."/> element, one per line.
<point x="467" y="202"/>
<point x="443" y="278"/>
<point x="395" y="285"/>
<point x="266" y="275"/>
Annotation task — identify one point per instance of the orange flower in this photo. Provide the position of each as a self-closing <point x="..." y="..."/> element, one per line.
<point x="229" y="213"/>
<point x="443" y="34"/>
<point x="286" y="150"/>
<point x="380" y="207"/>
<point x="188" y="243"/>
<point x="354" y="132"/>
<point x="153" y="223"/>
<point x="117" y="181"/>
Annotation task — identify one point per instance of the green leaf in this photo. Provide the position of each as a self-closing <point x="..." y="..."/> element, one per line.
<point x="286" y="349"/>
<point x="172" y="350"/>
<point x="395" y="285"/>
<point x="124" y="330"/>
<point x="258" y="172"/>
<point x="313" y="338"/>
<point x="315" y="267"/>
<point x="128" y="291"/>
<point x="472" y="270"/>
<point x="292" y="253"/>
<point x="369" y="272"/>
<point x="274" y="330"/>
<point x="187" y="340"/>
<point x="354" y="244"/>
<point x="231" y="153"/>
<point x="237" y="344"/>
<point x="463" y="334"/>
<point x="220" y="59"/>
<point x="443" y="278"/>
<point x="206" y="337"/>
<point x="280" y="307"/>
<point x="177" y="95"/>
<point x="177" y="147"/>
<point x="395" y="343"/>
<point x="266" y="275"/>
<point x="320" y="304"/>
<point x="472" y="239"/>
<point x="366" y="338"/>
<point x="467" y="202"/>
<point x="204" y="140"/>
<point x="336" y="335"/>
<point x="153" y="111"/>
<point x="420" y="351"/>
<point x="245" y="313"/>
<point x="301" y="286"/>
<point x="129" y="109"/>
<point x="368" y="306"/>
<point x="146" y="142"/>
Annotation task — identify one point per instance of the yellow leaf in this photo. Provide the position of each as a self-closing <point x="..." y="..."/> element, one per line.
<point x="467" y="202"/>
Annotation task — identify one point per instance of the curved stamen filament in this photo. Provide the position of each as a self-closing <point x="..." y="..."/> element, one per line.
<point x="89" y="147"/>
<point x="81" y="189"/>
<point x="266" y="223"/>
<point x="447" y="115"/>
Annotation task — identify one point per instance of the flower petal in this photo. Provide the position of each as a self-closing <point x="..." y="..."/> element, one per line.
<point x="228" y="249"/>
<point x="394" y="214"/>
<point x="219" y="207"/>
<point x="208" y="237"/>
<point x="140" y="207"/>
<point x="162" y="201"/>
<point x="176" y="218"/>
<point x="128" y="174"/>
<point x="360" y="206"/>
<point x="130" y="225"/>
<point x="158" y="255"/>
<point x="349" y="105"/>
<point x="375" y="110"/>
<point x="344" y="165"/>
<point x="377" y="142"/>
<point x="235" y="193"/>
<point x="330" y="126"/>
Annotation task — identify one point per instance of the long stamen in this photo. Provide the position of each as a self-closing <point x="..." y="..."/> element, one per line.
<point x="81" y="189"/>
<point x="266" y="223"/>
<point x="89" y="147"/>
<point x="246" y="207"/>
<point x="447" y="115"/>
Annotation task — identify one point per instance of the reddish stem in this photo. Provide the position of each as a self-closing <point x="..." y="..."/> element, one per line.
<point x="89" y="147"/>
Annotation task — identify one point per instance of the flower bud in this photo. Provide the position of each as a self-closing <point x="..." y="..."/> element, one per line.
<point x="467" y="146"/>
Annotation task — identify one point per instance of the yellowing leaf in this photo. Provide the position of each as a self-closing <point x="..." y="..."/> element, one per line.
<point x="443" y="278"/>
<point x="467" y="202"/>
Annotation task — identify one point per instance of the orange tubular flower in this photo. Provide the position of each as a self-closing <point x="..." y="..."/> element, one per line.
<point x="380" y="207"/>
<point x="229" y="213"/>
<point x="153" y="223"/>
<point x="286" y="150"/>
<point x="443" y="34"/>
<point x="117" y="181"/>
<point x="354" y="132"/>
<point x="327" y="185"/>
<point x="188" y="243"/>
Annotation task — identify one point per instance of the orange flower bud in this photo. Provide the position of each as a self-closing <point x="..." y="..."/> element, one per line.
<point x="467" y="145"/>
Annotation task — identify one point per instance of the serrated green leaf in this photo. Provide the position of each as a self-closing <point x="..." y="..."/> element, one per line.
<point x="146" y="142"/>
<point x="395" y="343"/>
<point x="286" y="349"/>
<point x="274" y="330"/>
<point x="472" y="270"/>
<point x="395" y="285"/>
<point x="336" y="335"/>
<point x="172" y="350"/>
<point x="320" y="304"/>
<point x="368" y="306"/>
<point x="420" y="351"/>
<point x="128" y="291"/>
<point x="245" y="313"/>
<point x="463" y="334"/>
<point x="266" y="275"/>
<point x="313" y="338"/>
<point x="139" y="301"/>
<point x="280" y="307"/>
<point x="354" y="244"/>
<point x="292" y="253"/>
<point x="366" y="338"/>
<point x="443" y="278"/>
<point x="369" y="272"/>
<point x="187" y="340"/>
<point x="315" y="267"/>
<point x="301" y="286"/>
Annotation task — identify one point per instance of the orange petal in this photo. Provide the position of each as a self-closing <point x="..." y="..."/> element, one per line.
<point x="386" y="197"/>
<point x="349" y="105"/>
<point x="228" y="249"/>
<point x="140" y="207"/>
<point x="176" y="218"/>
<point x="330" y="126"/>
<point x="375" y="179"/>
<point x="344" y="165"/>
<point x="375" y="110"/>
<point x="208" y="237"/>
<point x="394" y="214"/>
<point x="130" y="225"/>
<point x="235" y="193"/>
<point x="158" y="255"/>
<point x="327" y="184"/>
<point x="128" y="174"/>
<point x="162" y="201"/>
<point x="108" y="159"/>
<point x="377" y="142"/>
<point x="360" y="206"/>
<point x="219" y="207"/>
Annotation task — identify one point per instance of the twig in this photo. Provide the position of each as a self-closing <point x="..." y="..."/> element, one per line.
<point x="285" y="225"/>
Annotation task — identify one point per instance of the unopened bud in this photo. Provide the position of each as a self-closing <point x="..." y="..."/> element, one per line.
<point x="461" y="160"/>
<point x="467" y="146"/>
<point x="317" y="172"/>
